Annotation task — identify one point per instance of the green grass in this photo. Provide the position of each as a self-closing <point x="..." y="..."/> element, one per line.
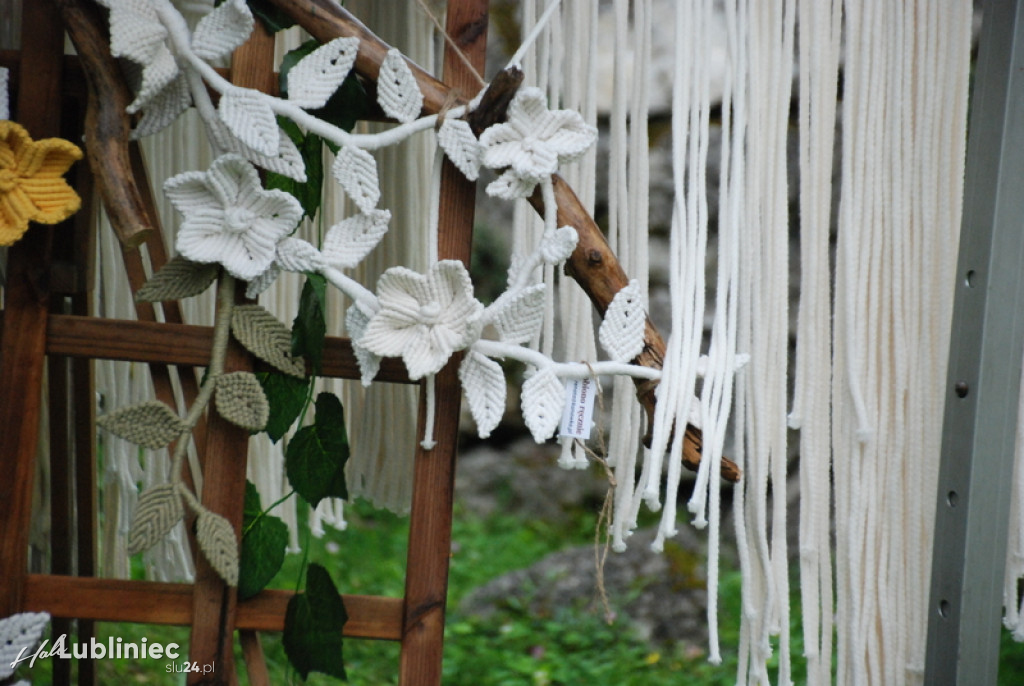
<point x="510" y="647"/>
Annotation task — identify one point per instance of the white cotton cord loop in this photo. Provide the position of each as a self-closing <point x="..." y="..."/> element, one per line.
<point x="428" y="442"/>
<point x="517" y="59"/>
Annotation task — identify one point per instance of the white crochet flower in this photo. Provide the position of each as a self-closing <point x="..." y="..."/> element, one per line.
<point x="230" y="218"/>
<point x="532" y="143"/>
<point x="424" y="318"/>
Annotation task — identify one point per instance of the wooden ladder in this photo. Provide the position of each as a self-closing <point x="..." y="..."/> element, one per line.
<point x="47" y="325"/>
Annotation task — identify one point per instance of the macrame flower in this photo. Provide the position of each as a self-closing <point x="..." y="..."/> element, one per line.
<point x="32" y="187"/>
<point x="532" y="143"/>
<point x="424" y="318"/>
<point x="230" y="218"/>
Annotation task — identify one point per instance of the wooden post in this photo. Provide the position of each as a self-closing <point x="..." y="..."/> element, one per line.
<point x="26" y="300"/>
<point x="214" y="603"/>
<point x="430" y="523"/>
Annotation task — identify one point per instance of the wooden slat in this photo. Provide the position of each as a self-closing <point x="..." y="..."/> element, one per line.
<point x="25" y="303"/>
<point x="150" y="602"/>
<point x="214" y="603"/>
<point x="430" y="520"/>
<point x="180" y="344"/>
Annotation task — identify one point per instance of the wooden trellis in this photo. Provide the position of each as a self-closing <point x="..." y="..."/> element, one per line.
<point x="47" y="325"/>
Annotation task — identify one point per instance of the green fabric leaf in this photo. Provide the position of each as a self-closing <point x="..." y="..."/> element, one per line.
<point x="158" y="510"/>
<point x="286" y="396"/>
<point x="309" y="193"/>
<point x="241" y="401"/>
<point x="310" y="325"/>
<point x="179" y="278"/>
<point x="316" y="455"/>
<point x="264" y="542"/>
<point x="312" y="626"/>
<point x="266" y="338"/>
<point x="273" y="18"/>
<point x="216" y="538"/>
<point x="348" y="104"/>
<point x="150" y="424"/>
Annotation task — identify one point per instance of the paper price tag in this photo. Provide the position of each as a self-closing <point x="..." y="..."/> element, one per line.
<point x="578" y="412"/>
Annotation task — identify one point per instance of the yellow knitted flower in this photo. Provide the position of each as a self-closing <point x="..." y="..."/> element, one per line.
<point x="32" y="187"/>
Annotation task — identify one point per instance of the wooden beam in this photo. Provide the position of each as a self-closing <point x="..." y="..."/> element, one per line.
<point x="150" y="602"/>
<point x="181" y="344"/>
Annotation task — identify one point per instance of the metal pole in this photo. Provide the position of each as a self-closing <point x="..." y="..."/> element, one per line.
<point x="983" y="386"/>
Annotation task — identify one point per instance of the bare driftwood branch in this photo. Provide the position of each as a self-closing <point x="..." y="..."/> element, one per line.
<point x="107" y="125"/>
<point x="593" y="264"/>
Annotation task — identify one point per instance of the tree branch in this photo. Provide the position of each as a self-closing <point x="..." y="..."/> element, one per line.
<point x="107" y="125"/>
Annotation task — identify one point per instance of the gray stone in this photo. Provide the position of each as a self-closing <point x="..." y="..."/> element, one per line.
<point x="662" y="597"/>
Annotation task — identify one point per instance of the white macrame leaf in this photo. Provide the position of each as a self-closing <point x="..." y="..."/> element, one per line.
<point x="318" y="75"/>
<point x="542" y="399"/>
<point x="158" y="510"/>
<point x="267" y="338"/>
<point x="356" y="171"/>
<point x="222" y="30"/>
<point x="369" y="363"/>
<point x="217" y="540"/>
<point x="262" y="282"/>
<point x="483" y="382"/>
<point x="249" y="117"/>
<point x="164" y="108"/>
<point x="460" y="145"/>
<point x="150" y="424"/>
<point x="297" y="255"/>
<point x="520" y="320"/>
<point x="240" y="400"/>
<point x="397" y="91"/>
<point x="351" y="239"/>
<point x="622" y="331"/>
<point x="287" y="161"/>
<point x="19" y="633"/>
<point x="556" y="246"/>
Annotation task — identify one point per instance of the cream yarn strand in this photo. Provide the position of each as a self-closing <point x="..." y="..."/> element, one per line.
<point x="819" y="64"/>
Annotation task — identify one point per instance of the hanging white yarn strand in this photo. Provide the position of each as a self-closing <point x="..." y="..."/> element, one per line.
<point x="627" y="232"/>
<point x="903" y="167"/>
<point x="819" y="63"/>
<point x="763" y="332"/>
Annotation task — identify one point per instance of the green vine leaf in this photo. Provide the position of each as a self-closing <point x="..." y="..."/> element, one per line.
<point x="286" y="396"/>
<point x="150" y="424"/>
<point x="273" y="18"/>
<point x="310" y="326"/>
<point x="158" y="510"/>
<point x="179" y="278"/>
<point x="316" y="455"/>
<point x="264" y="542"/>
<point x="312" y="626"/>
<point x="266" y="338"/>
<point x="241" y="401"/>
<point x="216" y="538"/>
